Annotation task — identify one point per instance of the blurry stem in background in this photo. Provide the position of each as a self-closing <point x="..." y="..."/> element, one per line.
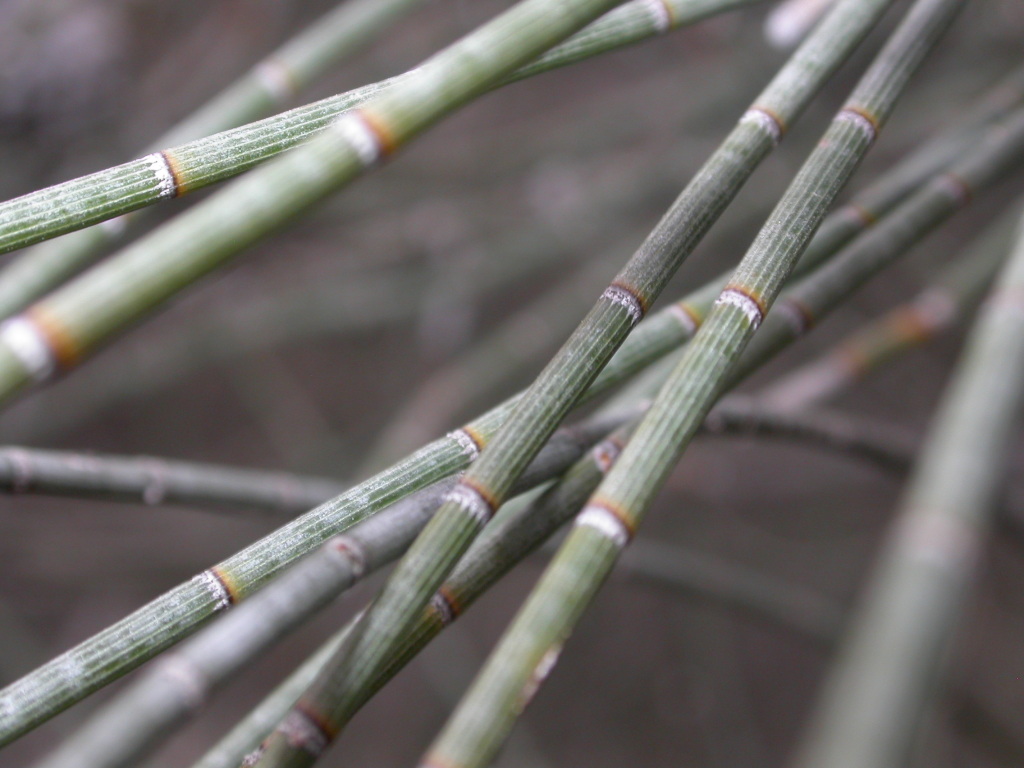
<point x="893" y="656"/>
<point x="150" y="480"/>
<point x="939" y="306"/>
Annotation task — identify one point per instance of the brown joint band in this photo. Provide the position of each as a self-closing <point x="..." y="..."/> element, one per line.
<point x="230" y="588"/>
<point x="605" y="453"/>
<point x="907" y="323"/>
<point x="767" y="118"/>
<point x="304" y="729"/>
<point x="862" y="214"/>
<point x="687" y="316"/>
<point x="66" y="351"/>
<point x="455" y="606"/>
<point x="864" y="118"/>
<point x="277" y="79"/>
<point x="627" y="297"/>
<point x="661" y="14"/>
<point x="748" y="301"/>
<point x="386" y="139"/>
<point x="177" y="176"/>
<point x="608" y="519"/>
<point x="352" y="551"/>
<point x="475" y="500"/>
<point x="797" y="314"/>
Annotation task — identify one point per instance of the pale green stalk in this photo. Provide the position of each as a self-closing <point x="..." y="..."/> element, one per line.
<point x="178" y="613"/>
<point x="199" y="162"/>
<point x="152" y="480"/>
<point x="270" y="83"/>
<point x="935" y="155"/>
<point x="940" y="305"/>
<point x="484" y="487"/>
<point x="58" y="331"/>
<point x="517" y="344"/>
<point x="177" y="684"/>
<point x="893" y="657"/>
<point x="809" y="300"/>
<point x="531" y="646"/>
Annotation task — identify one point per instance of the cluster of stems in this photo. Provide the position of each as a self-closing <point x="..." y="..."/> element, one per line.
<point x="611" y="516"/>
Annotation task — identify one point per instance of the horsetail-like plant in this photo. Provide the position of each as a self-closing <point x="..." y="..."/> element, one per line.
<point x="181" y="680"/>
<point x="179" y="612"/>
<point x="482" y="490"/>
<point x="268" y="85"/>
<point x="514" y="345"/>
<point x="877" y="692"/>
<point x="146" y="632"/>
<point x="58" y="331"/>
<point x="531" y="646"/>
<point x="152" y="480"/>
<point x="193" y="159"/>
<point x="941" y="304"/>
<point x="803" y="305"/>
<point x="935" y="155"/>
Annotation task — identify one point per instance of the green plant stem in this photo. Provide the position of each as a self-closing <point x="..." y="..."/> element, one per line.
<point x="174" y="616"/>
<point x="892" y="659"/>
<point x="999" y="150"/>
<point x="272" y="82"/>
<point x="199" y="162"/>
<point x="485" y="486"/>
<point x="531" y="646"/>
<point x="940" y="305"/>
<point x="515" y="345"/>
<point x="151" y="480"/>
<point x="67" y="325"/>
<point x="179" y="612"/>
<point x="181" y="680"/>
<point x="935" y="155"/>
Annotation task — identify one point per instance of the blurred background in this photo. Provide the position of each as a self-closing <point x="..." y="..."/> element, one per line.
<point x="328" y="350"/>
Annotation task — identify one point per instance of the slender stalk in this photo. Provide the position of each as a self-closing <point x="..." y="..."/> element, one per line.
<point x="516" y="344"/>
<point x="181" y="681"/>
<point x="152" y="480"/>
<point x="272" y="82"/>
<point x="943" y="302"/>
<point x="168" y="619"/>
<point x="531" y="646"/>
<point x="485" y="486"/>
<point x="886" y="446"/>
<point x="872" y="704"/>
<point x="809" y="300"/>
<point x="179" y="612"/>
<point x="935" y="155"/>
<point x="61" y="329"/>
<point x="199" y="162"/>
